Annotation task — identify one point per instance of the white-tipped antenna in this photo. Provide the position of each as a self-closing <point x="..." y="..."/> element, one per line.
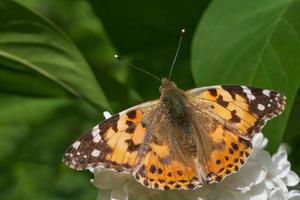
<point x="137" y="68"/>
<point x="176" y="54"/>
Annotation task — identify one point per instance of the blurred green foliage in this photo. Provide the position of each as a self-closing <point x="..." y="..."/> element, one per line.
<point x="58" y="74"/>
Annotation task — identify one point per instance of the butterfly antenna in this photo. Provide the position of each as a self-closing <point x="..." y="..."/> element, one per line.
<point x="176" y="54"/>
<point x="137" y="68"/>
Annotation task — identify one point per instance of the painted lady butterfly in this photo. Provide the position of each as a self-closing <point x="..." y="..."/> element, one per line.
<point x="181" y="141"/>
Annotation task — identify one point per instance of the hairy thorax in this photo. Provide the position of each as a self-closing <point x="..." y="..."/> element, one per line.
<point x="176" y="106"/>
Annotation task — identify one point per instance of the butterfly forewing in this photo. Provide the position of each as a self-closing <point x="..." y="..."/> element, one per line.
<point x="114" y="143"/>
<point x="245" y="108"/>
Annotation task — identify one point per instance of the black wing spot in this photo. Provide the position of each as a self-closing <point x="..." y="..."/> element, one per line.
<point x="131" y="146"/>
<point x="131" y="114"/>
<point x="221" y="101"/>
<point x="235" y="146"/>
<point x="152" y="169"/>
<point x="213" y="92"/>
<point x="234" y="117"/>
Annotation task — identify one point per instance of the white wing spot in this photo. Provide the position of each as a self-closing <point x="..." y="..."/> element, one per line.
<point x="76" y="144"/>
<point x="251" y="96"/>
<point x="95" y="153"/>
<point x="269" y="105"/>
<point x="97" y="138"/>
<point x="246" y="90"/>
<point x="106" y="114"/>
<point x="84" y="156"/>
<point x="260" y="107"/>
<point x="266" y="92"/>
<point x="78" y="153"/>
<point x="96" y="131"/>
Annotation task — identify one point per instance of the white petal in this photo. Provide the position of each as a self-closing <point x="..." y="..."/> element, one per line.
<point x="276" y="194"/>
<point x="264" y="143"/>
<point x="118" y="192"/>
<point x="259" y="141"/>
<point x="104" y="180"/>
<point x="280" y="157"/>
<point x="180" y="195"/>
<point x="135" y="188"/>
<point x="199" y="194"/>
<point x="293" y="195"/>
<point x="264" y="158"/>
<point x="269" y="184"/>
<point x="103" y="195"/>
<point x="259" y="192"/>
<point x="281" y="166"/>
<point x="91" y="169"/>
<point x="281" y="171"/>
<point x="226" y="195"/>
<point x="250" y="174"/>
<point x="283" y="147"/>
<point x="106" y="114"/>
<point x="278" y="183"/>
<point x="292" y="179"/>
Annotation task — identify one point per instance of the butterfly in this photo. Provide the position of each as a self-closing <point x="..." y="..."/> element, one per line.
<point x="181" y="141"/>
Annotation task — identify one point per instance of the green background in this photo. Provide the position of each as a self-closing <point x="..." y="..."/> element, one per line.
<point x="58" y="73"/>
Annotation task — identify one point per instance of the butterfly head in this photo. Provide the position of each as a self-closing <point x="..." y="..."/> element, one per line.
<point x="166" y="85"/>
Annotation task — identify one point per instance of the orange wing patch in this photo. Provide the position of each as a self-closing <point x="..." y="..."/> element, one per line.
<point x="228" y="159"/>
<point x="159" y="171"/>
<point x="126" y="143"/>
<point x="113" y="144"/>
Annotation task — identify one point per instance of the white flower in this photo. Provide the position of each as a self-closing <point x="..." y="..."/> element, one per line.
<point x="261" y="178"/>
<point x="279" y="176"/>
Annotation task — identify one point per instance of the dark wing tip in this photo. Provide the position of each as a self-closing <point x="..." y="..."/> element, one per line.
<point x="269" y="105"/>
<point x="71" y="158"/>
<point x="79" y="155"/>
<point x="279" y="102"/>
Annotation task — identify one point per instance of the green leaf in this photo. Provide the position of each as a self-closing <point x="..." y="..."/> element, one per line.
<point x="252" y="43"/>
<point x="31" y="43"/>
<point x="292" y="135"/>
<point x="13" y="81"/>
<point x="13" y="108"/>
<point x="34" y="133"/>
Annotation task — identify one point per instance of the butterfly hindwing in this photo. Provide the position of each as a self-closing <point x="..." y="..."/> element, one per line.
<point x="161" y="169"/>
<point x="229" y="157"/>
